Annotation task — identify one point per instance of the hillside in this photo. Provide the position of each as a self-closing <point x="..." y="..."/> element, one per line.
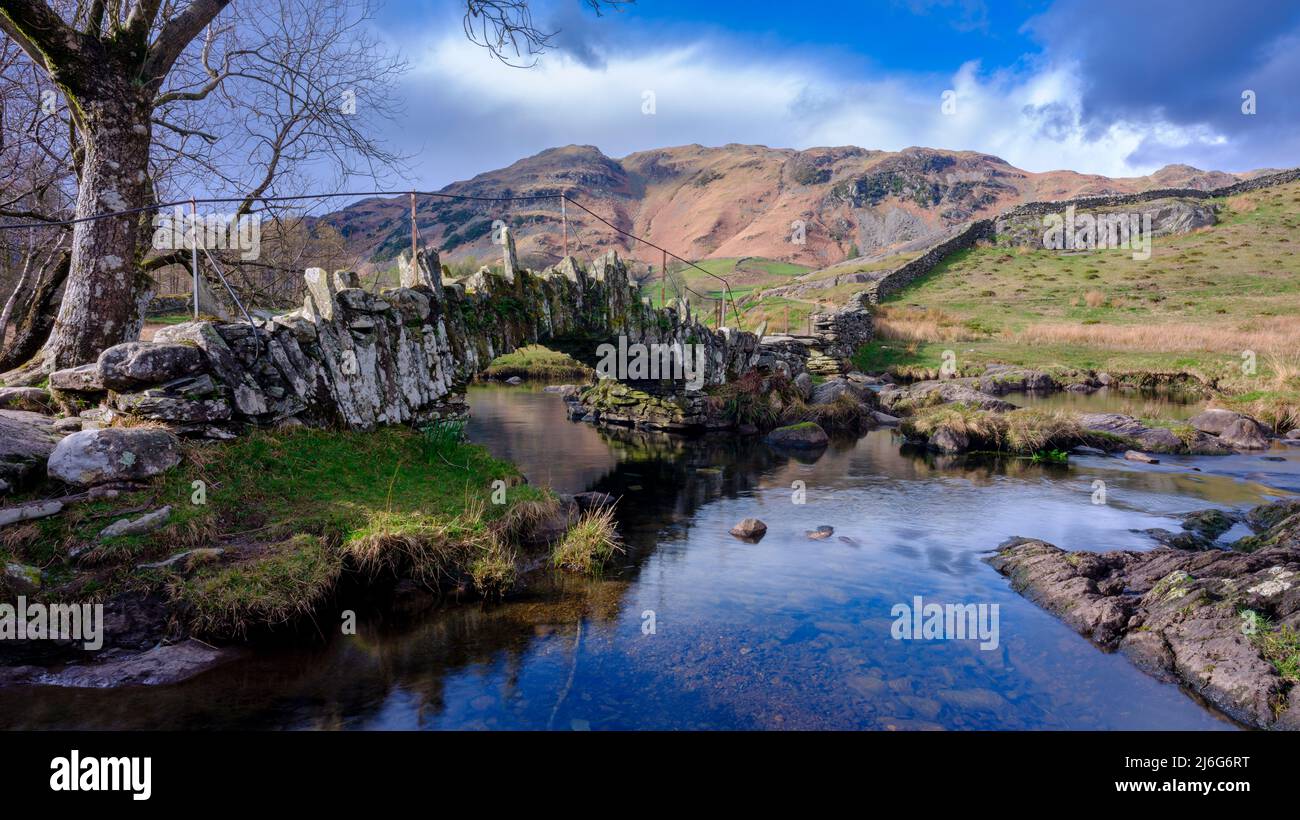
<point x="1202" y="302"/>
<point x="731" y="202"/>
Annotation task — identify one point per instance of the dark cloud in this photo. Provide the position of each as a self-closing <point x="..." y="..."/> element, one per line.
<point x="1186" y="64"/>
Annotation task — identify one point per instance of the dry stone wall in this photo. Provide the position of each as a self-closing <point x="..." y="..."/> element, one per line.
<point x="357" y="359"/>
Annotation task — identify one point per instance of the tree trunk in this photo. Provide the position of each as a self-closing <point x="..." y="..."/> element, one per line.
<point x="36" y="320"/>
<point x="101" y="304"/>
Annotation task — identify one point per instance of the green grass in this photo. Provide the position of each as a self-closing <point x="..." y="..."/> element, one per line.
<point x="1279" y="644"/>
<point x="590" y="544"/>
<point x="294" y="508"/>
<point x="537" y="362"/>
<point x="1194" y="306"/>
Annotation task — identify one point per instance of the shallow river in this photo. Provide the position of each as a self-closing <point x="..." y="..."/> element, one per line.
<point x="693" y="628"/>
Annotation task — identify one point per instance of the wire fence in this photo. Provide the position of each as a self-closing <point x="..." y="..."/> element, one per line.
<point x="726" y="299"/>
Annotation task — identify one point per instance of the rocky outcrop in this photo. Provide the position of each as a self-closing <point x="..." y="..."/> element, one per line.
<point x="1153" y="439"/>
<point x="903" y="400"/>
<point x="1197" y="618"/>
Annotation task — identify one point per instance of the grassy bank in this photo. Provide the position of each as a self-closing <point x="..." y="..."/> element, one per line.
<point x="1204" y="304"/>
<point x="537" y="362"/>
<point x="292" y="511"/>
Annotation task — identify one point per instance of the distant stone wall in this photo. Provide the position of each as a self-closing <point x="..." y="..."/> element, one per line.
<point x="356" y="359"/>
<point x="1011" y="220"/>
<point x="894" y="281"/>
<point x="1118" y="200"/>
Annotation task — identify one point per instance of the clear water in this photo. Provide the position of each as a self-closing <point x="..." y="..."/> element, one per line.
<point x="1141" y="404"/>
<point x="786" y="633"/>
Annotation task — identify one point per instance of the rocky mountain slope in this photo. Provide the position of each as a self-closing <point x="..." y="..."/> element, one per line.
<point x="731" y="201"/>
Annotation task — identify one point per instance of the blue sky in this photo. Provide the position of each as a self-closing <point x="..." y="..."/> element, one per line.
<point x="1091" y="85"/>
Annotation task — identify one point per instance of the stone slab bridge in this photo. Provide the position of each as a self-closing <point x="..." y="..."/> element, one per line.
<point x="356" y="359"/>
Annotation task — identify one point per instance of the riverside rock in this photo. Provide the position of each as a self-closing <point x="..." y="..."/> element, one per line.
<point x="1177" y="615"/>
<point x="805" y="435"/>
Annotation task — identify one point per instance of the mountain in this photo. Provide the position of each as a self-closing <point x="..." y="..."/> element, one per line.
<point x="726" y="202"/>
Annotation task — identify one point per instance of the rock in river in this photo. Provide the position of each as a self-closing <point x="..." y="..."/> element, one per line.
<point x="750" y="529"/>
<point x="805" y="435"/>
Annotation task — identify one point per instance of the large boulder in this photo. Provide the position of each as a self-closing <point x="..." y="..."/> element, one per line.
<point x="803" y="436"/>
<point x="113" y="454"/>
<point x="26" y="441"/>
<point x="831" y="389"/>
<point x="1000" y="379"/>
<point x="127" y="366"/>
<point x="947" y="440"/>
<point x="246" y="394"/>
<point x="1214" y="421"/>
<point x="1245" y="434"/>
<point x="81" y="379"/>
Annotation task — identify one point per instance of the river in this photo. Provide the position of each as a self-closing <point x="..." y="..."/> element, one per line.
<point x="695" y="629"/>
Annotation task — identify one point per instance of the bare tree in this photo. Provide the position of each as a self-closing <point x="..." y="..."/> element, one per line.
<point x="170" y="95"/>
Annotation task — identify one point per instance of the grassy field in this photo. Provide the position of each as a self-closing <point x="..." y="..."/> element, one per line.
<point x="1202" y="304"/>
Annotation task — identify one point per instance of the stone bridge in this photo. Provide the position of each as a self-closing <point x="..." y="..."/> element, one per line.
<point x="357" y="359"/>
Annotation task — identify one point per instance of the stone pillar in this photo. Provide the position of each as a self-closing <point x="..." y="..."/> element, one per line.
<point x="509" y="256"/>
<point x="320" y="303"/>
<point x="426" y="272"/>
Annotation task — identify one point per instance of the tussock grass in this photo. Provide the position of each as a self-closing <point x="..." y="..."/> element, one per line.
<point x="288" y="581"/>
<point x="1025" y="432"/>
<point x="589" y="544"/>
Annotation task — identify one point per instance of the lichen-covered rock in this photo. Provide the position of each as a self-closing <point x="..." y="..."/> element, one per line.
<point x="906" y="400"/>
<point x="947" y="440"/>
<point x="82" y="379"/>
<point x="1155" y="439"/>
<point x="113" y="454"/>
<point x="129" y="365"/>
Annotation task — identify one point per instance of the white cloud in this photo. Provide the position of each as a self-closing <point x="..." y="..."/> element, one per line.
<point x="474" y="114"/>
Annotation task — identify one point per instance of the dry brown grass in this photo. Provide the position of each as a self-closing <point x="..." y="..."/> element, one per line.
<point x="921" y="325"/>
<point x="1264" y="336"/>
<point x="1094" y="298"/>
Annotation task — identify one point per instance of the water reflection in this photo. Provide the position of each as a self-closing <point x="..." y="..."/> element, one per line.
<point x="789" y="632"/>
